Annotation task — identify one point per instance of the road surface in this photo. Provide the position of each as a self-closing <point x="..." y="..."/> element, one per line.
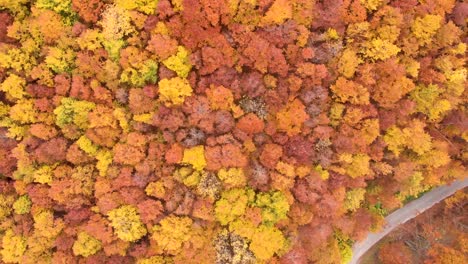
<point x="406" y="213"/>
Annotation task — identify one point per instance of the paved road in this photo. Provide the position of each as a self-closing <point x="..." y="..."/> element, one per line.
<point x="406" y="213"/>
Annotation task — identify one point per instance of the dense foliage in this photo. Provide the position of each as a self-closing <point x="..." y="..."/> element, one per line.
<point x="234" y="131"/>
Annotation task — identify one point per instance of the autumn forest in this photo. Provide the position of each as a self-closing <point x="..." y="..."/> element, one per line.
<point x="226" y="131"/>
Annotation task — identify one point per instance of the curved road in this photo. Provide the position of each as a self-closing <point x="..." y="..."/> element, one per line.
<point x="406" y="213"/>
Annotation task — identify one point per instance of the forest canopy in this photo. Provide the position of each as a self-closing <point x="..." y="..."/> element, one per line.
<point x="237" y="131"/>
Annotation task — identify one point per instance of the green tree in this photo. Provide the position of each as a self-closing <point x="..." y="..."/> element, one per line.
<point x="72" y="111"/>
